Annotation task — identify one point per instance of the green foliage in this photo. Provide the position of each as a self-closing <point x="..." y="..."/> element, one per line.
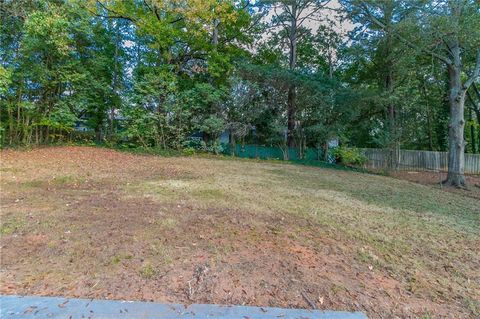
<point x="215" y="147"/>
<point x="196" y="145"/>
<point x="5" y="80"/>
<point x="189" y="151"/>
<point x="140" y="128"/>
<point x="157" y="151"/>
<point x="74" y="70"/>
<point x="60" y="68"/>
<point x="212" y="125"/>
<point x="349" y="156"/>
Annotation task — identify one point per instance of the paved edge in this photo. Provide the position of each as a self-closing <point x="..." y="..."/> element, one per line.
<point x="27" y="307"/>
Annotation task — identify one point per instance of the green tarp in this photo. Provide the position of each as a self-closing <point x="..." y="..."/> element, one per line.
<point x="267" y="152"/>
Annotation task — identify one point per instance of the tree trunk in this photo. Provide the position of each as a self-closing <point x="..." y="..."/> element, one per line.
<point x="291" y="116"/>
<point x="98" y="134"/>
<point x="456" y="142"/>
<point x="394" y="143"/>
<point x="115" y="79"/>
<point x="325" y="151"/>
<point x="291" y="98"/>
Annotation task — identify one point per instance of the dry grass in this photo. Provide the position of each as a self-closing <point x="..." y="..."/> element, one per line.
<point x="97" y="223"/>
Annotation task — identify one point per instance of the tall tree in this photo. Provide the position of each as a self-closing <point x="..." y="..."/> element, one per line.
<point x="450" y="32"/>
<point x="60" y="60"/>
<point x="388" y="58"/>
<point x="289" y="20"/>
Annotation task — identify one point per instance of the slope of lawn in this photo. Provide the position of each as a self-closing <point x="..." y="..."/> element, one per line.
<point x="96" y="223"/>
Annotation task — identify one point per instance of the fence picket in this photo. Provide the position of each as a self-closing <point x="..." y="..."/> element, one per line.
<point x="419" y="160"/>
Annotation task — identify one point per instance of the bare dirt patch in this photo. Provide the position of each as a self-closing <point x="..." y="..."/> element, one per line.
<point x="96" y="223"/>
<point x="435" y="179"/>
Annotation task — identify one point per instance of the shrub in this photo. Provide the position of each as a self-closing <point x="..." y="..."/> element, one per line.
<point x="188" y="151"/>
<point x="349" y="156"/>
<point x="198" y="145"/>
<point x="195" y="143"/>
<point x="215" y="148"/>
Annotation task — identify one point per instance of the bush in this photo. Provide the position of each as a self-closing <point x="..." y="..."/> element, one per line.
<point x="188" y="151"/>
<point x="198" y="145"/>
<point x="194" y="143"/>
<point x="349" y="156"/>
<point x="215" y="148"/>
<point x="165" y="152"/>
<point x="83" y="137"/>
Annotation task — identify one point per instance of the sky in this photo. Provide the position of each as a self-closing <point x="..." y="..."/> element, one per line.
<point x="329" y="13"/>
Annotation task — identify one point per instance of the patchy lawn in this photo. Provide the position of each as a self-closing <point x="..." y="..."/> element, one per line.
<point x="435" y="179"/>
<point x="96" y="223"/>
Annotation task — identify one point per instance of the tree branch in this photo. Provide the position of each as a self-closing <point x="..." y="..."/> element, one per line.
<point x="474" y="106"/>
<point x="314" y="11"/>
<point x="476" y="73"/>
<point x="405" y="41"/>
<point x="477" y="92"/>
<point x="115" y="16"/>
<point x="280" y="19"/>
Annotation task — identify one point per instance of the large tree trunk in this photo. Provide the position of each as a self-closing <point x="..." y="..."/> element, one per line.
<point x="456" y="142"/>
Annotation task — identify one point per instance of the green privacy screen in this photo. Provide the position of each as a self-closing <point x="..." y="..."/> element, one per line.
<point x="266" y="152"/>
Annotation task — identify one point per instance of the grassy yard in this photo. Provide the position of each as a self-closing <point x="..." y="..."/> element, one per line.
<point x="97" y="223"/>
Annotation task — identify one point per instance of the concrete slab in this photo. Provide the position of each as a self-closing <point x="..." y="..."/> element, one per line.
<point x="53" y="307"/>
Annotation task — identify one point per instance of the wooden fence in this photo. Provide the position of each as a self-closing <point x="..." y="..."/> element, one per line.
<point x="418" y="160"/>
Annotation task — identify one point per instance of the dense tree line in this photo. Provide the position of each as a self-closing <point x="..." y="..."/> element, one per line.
<point x="153" y="72"/>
